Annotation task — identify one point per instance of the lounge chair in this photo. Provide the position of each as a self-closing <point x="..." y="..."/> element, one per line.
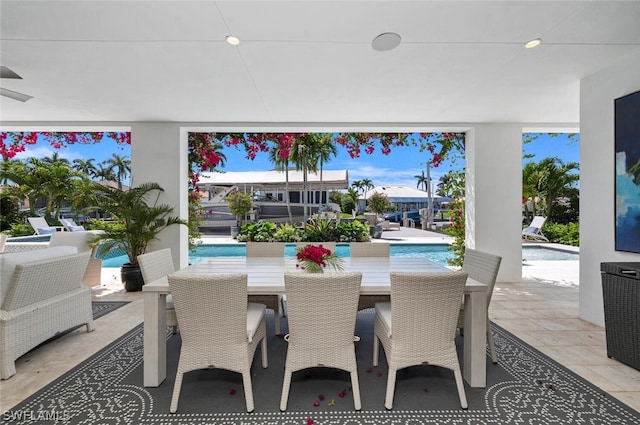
<point x="388" y="225"/>
<point x="534" y="231"/>
<point x="71" y="225"/>
<point x="41" y="227"/>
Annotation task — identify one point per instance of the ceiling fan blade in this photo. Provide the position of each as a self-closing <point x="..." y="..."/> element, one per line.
<point x="5" y="72"/>
<point x="15" y="95"/>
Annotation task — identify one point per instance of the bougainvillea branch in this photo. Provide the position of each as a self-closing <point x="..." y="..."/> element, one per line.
<point x="12" y="143"/>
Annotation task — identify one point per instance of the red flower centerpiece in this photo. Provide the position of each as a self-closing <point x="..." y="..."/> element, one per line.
<point x="315" y="258"/>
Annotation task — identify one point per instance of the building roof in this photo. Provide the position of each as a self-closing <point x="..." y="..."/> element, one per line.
<point x="275" y="180"/>
<point x="404" y="194"/>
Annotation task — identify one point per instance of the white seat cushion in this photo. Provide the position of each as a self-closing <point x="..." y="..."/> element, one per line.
<point x="383" y="311"/>
<point x="255" y="313"/>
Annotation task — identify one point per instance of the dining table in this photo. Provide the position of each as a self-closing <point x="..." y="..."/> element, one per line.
<point x="265" y="276"/>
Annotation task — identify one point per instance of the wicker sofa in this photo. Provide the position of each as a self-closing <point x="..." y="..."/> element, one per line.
<point x="41" y="295"/>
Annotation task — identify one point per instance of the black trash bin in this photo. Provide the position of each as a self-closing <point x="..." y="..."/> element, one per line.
<point x="621" y="295"/>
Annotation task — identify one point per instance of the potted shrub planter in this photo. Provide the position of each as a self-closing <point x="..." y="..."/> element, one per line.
<point x="136" y="222"/>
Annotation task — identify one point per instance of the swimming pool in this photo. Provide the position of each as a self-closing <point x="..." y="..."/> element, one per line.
<point x="437" y="253"/>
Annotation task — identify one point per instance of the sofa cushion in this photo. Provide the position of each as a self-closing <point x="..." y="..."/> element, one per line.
<point x="9" y="261"/>
<point x="76" y="228"/>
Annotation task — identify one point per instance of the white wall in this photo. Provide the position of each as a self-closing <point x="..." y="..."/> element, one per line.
<point x="597" y="221"/>
<point x="159" y="154"/>
<point x="494" y="194"/>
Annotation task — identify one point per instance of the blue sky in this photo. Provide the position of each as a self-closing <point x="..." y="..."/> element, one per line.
<point x="397" y="168"/>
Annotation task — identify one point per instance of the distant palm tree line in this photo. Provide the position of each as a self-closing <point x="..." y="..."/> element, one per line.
<point x="58" y="181"/>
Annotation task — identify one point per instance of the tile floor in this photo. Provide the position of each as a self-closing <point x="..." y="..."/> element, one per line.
<point x="540" y="312"/>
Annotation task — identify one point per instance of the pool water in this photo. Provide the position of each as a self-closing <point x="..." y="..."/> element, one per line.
<point x="437" y="253"/>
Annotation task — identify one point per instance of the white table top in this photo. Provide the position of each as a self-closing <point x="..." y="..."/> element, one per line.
<point x="266" y="274"/>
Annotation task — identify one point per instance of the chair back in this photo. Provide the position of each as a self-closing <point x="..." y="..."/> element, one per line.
<point x="322" y="308"/>
<point x="80" y="240"/>
<point x="369" y="249"/>
<point x="538" y="222"/>
<point x="424" y="309"/>
<point x="483" y="267"/>
<point x="40" y="225"/>
<point x="156" y="264"/>
<point x="265" y="249"/>
<point x="211" y="309"/>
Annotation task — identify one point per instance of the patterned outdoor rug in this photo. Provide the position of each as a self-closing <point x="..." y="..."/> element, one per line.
<point x="526" y="387"/>
<point x="100" y="308"/>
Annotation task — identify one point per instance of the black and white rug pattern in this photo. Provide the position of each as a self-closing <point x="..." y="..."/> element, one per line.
<point x="540" y="391"/>
<point x="100" y="308"/>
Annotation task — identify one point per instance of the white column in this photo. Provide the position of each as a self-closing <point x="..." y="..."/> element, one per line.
<point x="494" y="194"/>
<point x="159" y="155"/>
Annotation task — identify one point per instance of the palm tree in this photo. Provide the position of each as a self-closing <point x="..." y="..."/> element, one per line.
<point x="303" y="155"/>
<point x="121" y="166"/>
<point x="367" y="184"/>
<point x="422" y="181"/>
<point x="104" y="173"/>
<point x="325" y="150"/>
<point x="85" y="166"/>
<point x="549" y="179"/>
<point x="282" y="163"/>
<point x="55" y="158"/>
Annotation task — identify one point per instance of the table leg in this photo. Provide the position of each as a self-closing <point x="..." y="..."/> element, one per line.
<point x="155" y="338"/>
<point x="474" y="368"/>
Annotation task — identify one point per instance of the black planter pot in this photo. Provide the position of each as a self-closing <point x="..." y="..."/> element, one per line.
<point x="131" y="277"/>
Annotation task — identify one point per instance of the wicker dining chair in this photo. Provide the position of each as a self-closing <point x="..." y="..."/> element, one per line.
<point x="483" y="267"/>
<point x="155" y="265"/>
<point x="369" y="249"/>
<point x="218" y="327"/>
<point x="273" y="302"/>
<point x="418" y="326"/>
<point x="322" y="320"/>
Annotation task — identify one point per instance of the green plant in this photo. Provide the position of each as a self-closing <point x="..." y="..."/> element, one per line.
<point x="567" y="234"/>
<point x="20" y="229"/>
<point x="353" y="231"/>
<point x="320" y="230"/>
<point x="456" y="217"/>
<point x="262" y="231"/>
<point x="239" y="204"/>
<point x="379" y="203"/>
<point x="288" y="233"/>
<point x="137" y="219"/>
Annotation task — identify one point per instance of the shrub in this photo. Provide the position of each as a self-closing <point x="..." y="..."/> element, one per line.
<point x="347" y="203"/>
<point x="353" y="231"/>
<point x="288" y="233"/>
<point x="320" y="230"/>
<point x="262" y="231"/>
<point x="566" y="234"/>
<point x="20" y="229"/>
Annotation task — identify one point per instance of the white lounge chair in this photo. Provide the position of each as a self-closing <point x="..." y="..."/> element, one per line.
<point x="534" y="231"/>
<point x="71" y="226"/>
<point x="41" y="227"/>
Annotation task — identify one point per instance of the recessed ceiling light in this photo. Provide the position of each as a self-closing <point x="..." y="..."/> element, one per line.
<point x="386" y="41"/>
<point x="532" y="43"/>
<point x="233" y="40"/>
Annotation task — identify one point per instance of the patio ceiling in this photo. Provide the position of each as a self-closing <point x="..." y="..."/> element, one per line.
<point x="308" y="61"/>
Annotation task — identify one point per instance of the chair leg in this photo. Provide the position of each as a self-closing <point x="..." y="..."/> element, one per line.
<point x="460" y="385"/>
<point x="286" y="384"/>
<point x="263" y="352"/>
<point x="176" y="391"/>
<point x="376" y="350"/>
<point x="391" y="387"/>
<point x="355" y="386"/>
<point x="248" y="389"/>
<point x="90" y="326"/>
<point x="276" y="317"/>
<point x="492" y="347"/>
